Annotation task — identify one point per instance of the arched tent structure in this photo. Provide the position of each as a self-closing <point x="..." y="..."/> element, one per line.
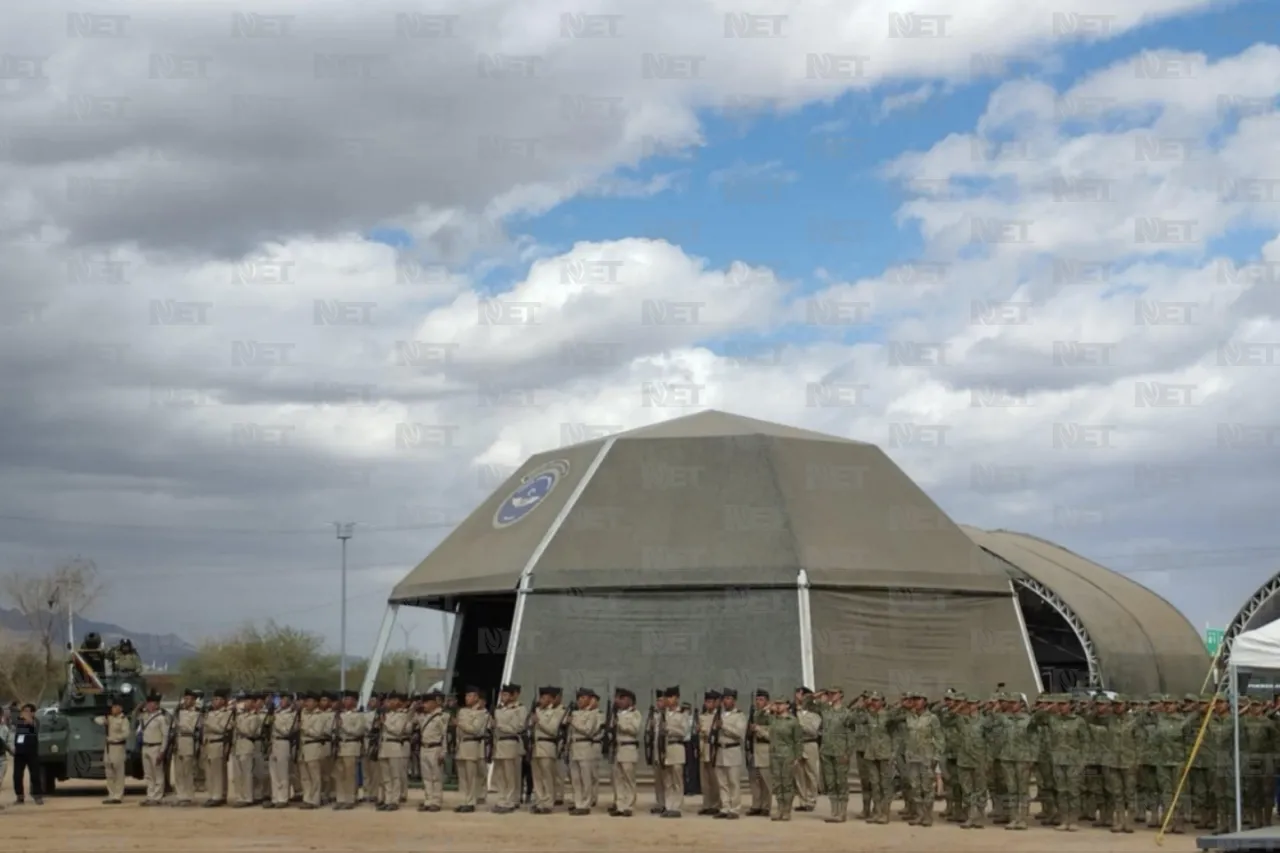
<point x="1090" y="626"/>
<point x="717" y="550"/>
<point x="1259" y="610"/>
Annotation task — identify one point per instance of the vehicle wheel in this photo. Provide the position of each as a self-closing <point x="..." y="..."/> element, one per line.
<point x="50" y="780"/>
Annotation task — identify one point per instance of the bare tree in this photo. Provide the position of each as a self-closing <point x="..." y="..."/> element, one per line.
<point x="22" y="674"/>
<point x="44" y="599"/>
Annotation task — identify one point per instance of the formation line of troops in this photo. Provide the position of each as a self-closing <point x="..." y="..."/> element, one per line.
<point x="1111" y="763"/>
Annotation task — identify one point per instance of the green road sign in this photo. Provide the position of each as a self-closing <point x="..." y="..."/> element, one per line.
<point x="1212" y="639"/>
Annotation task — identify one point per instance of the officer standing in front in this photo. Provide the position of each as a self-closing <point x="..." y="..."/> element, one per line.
<point x="118" y="732"/>
<point x="186" y="720"/>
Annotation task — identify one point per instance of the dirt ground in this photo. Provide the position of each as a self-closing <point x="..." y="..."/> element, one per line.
<point x="75" y="819"/>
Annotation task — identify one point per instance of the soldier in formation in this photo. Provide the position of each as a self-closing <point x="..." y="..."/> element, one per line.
<point x="1102" y="762"/>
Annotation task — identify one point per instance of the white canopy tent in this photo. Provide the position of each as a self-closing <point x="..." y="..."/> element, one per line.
<point x="1252" y="651"/>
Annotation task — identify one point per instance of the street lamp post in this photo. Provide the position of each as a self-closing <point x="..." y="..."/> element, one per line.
<point x="344" y="530"/>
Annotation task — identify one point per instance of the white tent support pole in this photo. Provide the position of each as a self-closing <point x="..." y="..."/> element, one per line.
<point x="526" y="574"/>
<point x="1232" y="673"/>
<point x="379" y="649"/>
<point x="806" y="630"/>
<point x="455" y="642"/>
<point x="1026" y="638"/>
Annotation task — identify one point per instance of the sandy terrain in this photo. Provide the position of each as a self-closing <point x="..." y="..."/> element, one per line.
<point x="76" y="820"/>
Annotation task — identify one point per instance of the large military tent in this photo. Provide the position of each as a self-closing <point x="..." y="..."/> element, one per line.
<point x="717" y="550"/>
<point x="1092" y="627"/>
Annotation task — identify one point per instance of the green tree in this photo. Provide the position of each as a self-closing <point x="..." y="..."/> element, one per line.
<point x="267" y="658"/>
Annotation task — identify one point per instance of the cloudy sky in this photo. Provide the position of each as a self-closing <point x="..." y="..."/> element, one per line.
<point x="1029" y="248"/>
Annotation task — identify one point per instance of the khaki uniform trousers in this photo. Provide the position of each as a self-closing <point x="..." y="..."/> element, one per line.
<point x="113" y="763"/>
<point x="624" y="786"/>
<point x="431" y="765"/>
<point x="729" y="786"/>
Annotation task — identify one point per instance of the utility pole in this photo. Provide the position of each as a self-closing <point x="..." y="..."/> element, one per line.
<point x="344" y="530"/>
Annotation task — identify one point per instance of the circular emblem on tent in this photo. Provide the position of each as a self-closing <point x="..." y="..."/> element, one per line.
<point x="533" y="490"/>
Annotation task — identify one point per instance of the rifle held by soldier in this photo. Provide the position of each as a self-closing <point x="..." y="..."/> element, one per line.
<point x="648" y="737"/>
<point x="610" y="745"/>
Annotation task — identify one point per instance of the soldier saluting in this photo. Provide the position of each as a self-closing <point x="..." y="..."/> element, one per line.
<point x="584" y="730"/>
<point x="547" y="720"/>
<point x="284" y="732"/>
<point x="433" y="728"/>
<point x="807" y="767"/>
<point x="350" y="729"/>
<point x="393" y="751"/>
<point x="708" y="719"/>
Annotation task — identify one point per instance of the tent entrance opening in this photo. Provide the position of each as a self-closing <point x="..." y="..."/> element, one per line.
<point x="483" y="643"/>
<point x="1059" y="654"/>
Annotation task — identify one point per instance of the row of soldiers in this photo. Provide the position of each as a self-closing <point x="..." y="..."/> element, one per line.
<point x="1112" y="763"/>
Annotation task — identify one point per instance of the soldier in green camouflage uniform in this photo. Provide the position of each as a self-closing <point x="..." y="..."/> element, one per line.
<point x="859" y="710"/>
<point x="1122" y="766"/>
<point x="995" y="734"/>
<point x="1166" y="746"/>
<point x="879" y="758"/>
<point x="897" y="717"/>
<point x="923" y="746"/>
<point x="786" y="746"/>
<point x="1041" y="716"/>
<point x="1147" y="796"/>
<point x="971" y="760"/>
<point x="833" y="753"/>
<point x="1256" y="735"/>
<point x="1069" y="740"/>
<point x="1221" y="734"/>
<point x="1203" y="802"/>
<point x="1093" y="791"/>
<point x="955" y="811"/>
<point x="1020" y="748"/>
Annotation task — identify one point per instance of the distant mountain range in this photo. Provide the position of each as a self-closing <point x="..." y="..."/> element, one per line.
<point x="158" y="651"/>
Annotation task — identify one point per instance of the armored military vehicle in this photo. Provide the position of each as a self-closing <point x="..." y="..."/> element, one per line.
<point x="71" y="743"/>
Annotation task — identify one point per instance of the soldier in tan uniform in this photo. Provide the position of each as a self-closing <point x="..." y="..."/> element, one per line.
<point x="653" y="725"/>
<point x="560" y="777"/>
<point x="317" y="733"/>
<point x="547" y="721"/>
<point x="351" y="727"/>
<point x="472" y="724"/>
<point x="707" y="720"/>
<point x="509" y="721"/>
<point x="584" y="729"/>
<point x="284" y="734"/>
<point x="156" y="729"/>
<point x="597" y="752"/>
<point x="118" y="732"/>
<point x="370" y="766"/>
<point x="761" y="784"/>
<point x="393" y="753"/>
<point x="329" y="703"/>
<point x="218" y="726"/>
<point x="679" y="729"/>
<point x="628" y="727"/>
<point x="186" y="720"/>
<point x="433" y="727"/>
<point x="244" y="750"/>
<point x="264" y="703"/>
<point x="807" y="768"/>
<point x="730" y="757"/>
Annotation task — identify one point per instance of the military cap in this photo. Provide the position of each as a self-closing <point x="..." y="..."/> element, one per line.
<point x="712" y="694"/>
<point x="804" y="691"/>
<point x="471" y="688"/>
<point x="583" y="691"/>
<point x="434" y="696"/>
<point x="762" y="694"/>
<point x="557" y="691"/>
<point x="626" y="694"/>
<point x="511" y="688"/>
<point x="546" y="691"/>
<point x="222" y="693"/>
<point x="153" y="696"/>
<point x="188" y="692"/>
<point x="873" y="694"/>
<point x="673" y="692"/>
<point x="729" y="693"/>
<point x="661" y="693"/>
<point x="350" y="694"/>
